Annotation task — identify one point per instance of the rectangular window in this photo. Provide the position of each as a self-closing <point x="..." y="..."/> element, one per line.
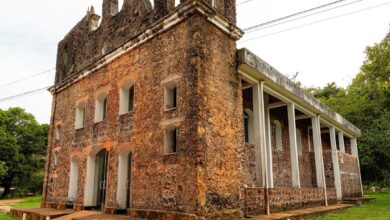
<point x="170" y="97"/>
<point x="80" y="116"/>
<point x="131" y="99"/>
<point x="170" y="141"/>
<point x="104" y="108"/>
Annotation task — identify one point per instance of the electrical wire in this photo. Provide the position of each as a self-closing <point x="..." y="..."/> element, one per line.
<point x="316" y="22"/>
<point x="25" y="78"/>
<point x="244" y="2"/>
<point x="305" y="16"/>
<point x="292" y="15"/>
<point x="23" y="94"/>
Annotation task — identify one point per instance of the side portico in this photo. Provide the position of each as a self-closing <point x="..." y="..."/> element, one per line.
<point x="297" y="149"/>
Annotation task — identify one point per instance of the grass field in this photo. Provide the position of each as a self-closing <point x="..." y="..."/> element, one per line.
<point x="377" y="210"/>
<point x="28" y="202"/>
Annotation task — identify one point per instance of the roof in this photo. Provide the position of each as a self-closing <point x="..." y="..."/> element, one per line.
<point x="249" y="62"/>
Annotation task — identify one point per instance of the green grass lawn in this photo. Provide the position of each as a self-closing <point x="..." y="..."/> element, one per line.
<point x="28" y="202"/>
<point x="378" y="209"/>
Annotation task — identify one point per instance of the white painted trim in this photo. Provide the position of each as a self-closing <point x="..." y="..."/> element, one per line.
<point x="293" y="145"/>
<point x="341" y="141"/>
<point x="123" y="172"/>
<point x="335" y="161"/>
<point x="276" y="105"/>
<point x="318" y="154"/>
<point x="269" y="149"/>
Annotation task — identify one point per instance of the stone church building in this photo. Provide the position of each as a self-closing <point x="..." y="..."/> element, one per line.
<point x="157" y="114"/>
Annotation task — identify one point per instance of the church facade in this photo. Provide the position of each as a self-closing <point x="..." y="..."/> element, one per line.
<point x="157" y="114"/>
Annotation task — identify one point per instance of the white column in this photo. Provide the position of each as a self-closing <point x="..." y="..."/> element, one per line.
<point x="270" y="174"/>
<point x="319" y="159"/>
<point x="259" y="134"/>
<point x="317" y="145"/>
<point x="293" y="145"/>
<point x="335" y="161"/>
<point x="354" y="151"/>
<point x="341" y="141"/>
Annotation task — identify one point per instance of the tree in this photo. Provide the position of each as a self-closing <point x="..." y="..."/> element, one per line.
<point x="366" y="103"/>
<point x="23" y="144"/>
<point x="3" y="169"/>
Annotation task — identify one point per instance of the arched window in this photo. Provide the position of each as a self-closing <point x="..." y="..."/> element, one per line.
<point x="277" y="130"/>
<point x="170" y="140"/>
<point x="299" y="141"/>
<point x="101" y="107"/>
<point x="126" y="97"/>
<point x="80" y="115"/>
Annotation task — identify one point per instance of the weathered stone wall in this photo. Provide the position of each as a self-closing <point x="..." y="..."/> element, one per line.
<point x="164" y="182"/>
<point x="283" y="199"/>
<point x="331" y="195"/>
<point x="219" y="123"/>
<point x="307" y="171"/>
<point x="281" y="158"/>
<point x="254" y="201"/>
<point x="83" y="46"/>
<point x="205" y="175"/>
<point x="350" y="176"/>
<point x="250" y="165"/>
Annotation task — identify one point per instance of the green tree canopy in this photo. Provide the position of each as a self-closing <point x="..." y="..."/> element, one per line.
<point x="23" y="144"/>
<point x="366" y="103"/>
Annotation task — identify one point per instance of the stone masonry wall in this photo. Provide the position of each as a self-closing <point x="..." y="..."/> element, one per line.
<point x="219" y="123"/>
<point x="84" y="44"/>
<point x="205" y="175"/>
<point x="350" y="176"/>
<point x="164" y="182"/>
<point x="281" y="158"/>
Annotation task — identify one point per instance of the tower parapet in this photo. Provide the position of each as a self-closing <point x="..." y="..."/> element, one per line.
<point x="88" y="41"/>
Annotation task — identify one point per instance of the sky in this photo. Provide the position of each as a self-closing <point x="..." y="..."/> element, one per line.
<point x="322" y="48"/>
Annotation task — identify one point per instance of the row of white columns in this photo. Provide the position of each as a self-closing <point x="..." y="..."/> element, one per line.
<point x="263" y="146"/>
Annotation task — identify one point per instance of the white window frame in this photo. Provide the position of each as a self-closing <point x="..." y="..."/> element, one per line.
<point x="124" y="97"/>
<point x="80" y="119"/>
<point x="101" y="107"/>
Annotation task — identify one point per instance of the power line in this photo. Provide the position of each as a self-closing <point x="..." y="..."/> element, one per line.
<point x="23" y="94"/>
<point x="244" y="2"/>
<point x="292" y="15"/>
<point x="316" y="22"/>
<point x="25" y="78"/>
<point x="305" y="16"/>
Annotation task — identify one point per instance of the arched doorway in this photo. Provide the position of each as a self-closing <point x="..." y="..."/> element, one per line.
<point x="101" y="177"/>
<point x="96" y="180"/>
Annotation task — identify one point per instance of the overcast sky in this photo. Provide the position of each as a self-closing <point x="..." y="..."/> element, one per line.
<point x="321" y="48"/>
